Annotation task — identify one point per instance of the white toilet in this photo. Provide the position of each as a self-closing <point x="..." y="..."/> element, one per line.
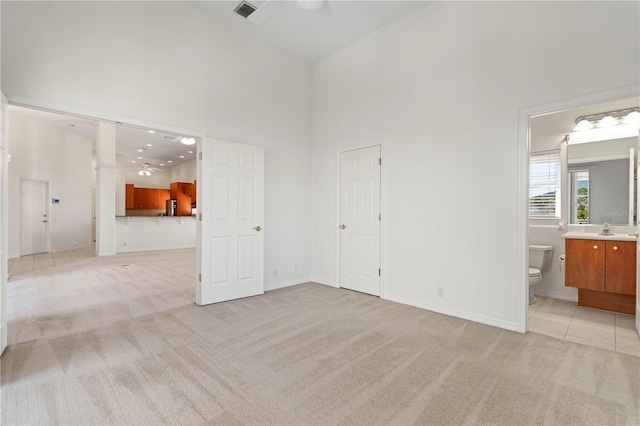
<point x="539" y="260"/>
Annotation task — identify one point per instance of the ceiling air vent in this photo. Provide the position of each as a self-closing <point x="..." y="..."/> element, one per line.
<point x="244" y="9"/>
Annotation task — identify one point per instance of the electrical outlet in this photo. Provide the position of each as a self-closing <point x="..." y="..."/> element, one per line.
<point x="124" y="244"/>
<point x="440" y="292"/>
<point x="75" y="242"/>
<point x="275" y="273"/>
<point x="295" y="268"/>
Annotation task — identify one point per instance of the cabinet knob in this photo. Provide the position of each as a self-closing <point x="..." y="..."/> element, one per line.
<point x="615" y="247"/>
<point x="595" y="247"/>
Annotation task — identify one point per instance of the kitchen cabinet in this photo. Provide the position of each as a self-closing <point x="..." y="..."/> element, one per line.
<point x="180" y="191"/>
<point x="129" y="196"/>
<point x="150" y="198"/>
<point x="604" y="271"/>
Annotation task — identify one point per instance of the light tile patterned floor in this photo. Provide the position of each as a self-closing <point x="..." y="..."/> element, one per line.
<point x="34" y="262"/>
<point x="568" y="321"/>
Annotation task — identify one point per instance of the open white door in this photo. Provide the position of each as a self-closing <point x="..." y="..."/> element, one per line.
<point x="638" y="245"/>
<point x="230" y="220"/>
<point x="360" y="220"/>
<point x="3" y="225"/>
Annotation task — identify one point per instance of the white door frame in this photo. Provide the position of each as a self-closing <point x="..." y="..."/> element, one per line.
<point x="522" y="222"/>
<point x="383" y="209"/>
<point x="48" y="210"/>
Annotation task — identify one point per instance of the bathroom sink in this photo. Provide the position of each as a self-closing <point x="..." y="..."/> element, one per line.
<point x="597" y="236"/>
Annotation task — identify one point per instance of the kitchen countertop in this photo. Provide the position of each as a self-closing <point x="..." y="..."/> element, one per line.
<point x="596" y="236"/>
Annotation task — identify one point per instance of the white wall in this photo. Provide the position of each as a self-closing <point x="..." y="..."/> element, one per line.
<point x="137" y="233"/>
<point x="185" y="172"/>
<point x="42" y="152"/>
<point x="168" y="63"/>
<point x="443" y="88"/>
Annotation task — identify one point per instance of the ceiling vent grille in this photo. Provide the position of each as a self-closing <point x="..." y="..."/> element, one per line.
<point x="244" y="9"/>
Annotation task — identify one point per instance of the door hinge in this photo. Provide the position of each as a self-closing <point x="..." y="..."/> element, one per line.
<point x="199" y="277"/>
<point x="200" y="217"/>
<point x="380" y="161"/>
<point x="200" y="156"/>
<point x="379" y="217"/>
<point x="379" y="273"/>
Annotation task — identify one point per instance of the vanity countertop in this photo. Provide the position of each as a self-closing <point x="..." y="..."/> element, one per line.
<point x="596" y="236"/>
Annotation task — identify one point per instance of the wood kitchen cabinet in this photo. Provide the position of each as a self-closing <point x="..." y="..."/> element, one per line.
<point x="604" y="271"/>
<point x="181" y="192"/>
<point x="150" y="198"/>
<point x="129" y="196"/>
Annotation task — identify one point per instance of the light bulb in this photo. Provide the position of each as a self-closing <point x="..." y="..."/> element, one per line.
<point x="140" y="172"/>
<point x="583" y="125"/>
<point x="188" y="141"/>
<point x="607" y="121"/>
<point x="147" y="173"/>
<point x="632" y="118"/>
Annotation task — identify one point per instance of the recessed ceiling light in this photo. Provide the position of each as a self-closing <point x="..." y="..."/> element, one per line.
<point x="152" y="131"/>
<point x="139" y="158"/>
<point x="162" y="164"/>
<point x="149" y="144"/>
<point x="133" y="161"/>
<point x="182" y="156"/>
<point x="190" y="152"/>
<point x="141" y="150"/>
<point x="169" y="161"/>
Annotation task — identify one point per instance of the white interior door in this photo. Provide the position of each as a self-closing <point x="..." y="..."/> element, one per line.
<point x="33" y="217"/>
<point x="3" y="225"/>
<point x="230" y="234"/>
<point x="637" y="245"/>
<point x="360" y="220"/>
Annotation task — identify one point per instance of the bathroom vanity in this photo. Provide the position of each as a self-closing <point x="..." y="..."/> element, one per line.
<point x="603" y="269"/>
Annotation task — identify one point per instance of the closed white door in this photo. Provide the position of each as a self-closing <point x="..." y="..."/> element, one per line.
<point x="360" y="220"/>
<point x="230" y="221"/>
<point x="33" y="217"/>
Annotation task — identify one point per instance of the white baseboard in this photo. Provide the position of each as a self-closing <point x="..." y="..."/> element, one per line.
<point x="324" y="282"/>
<point x="557" y="295"/>
<point x="495" y="322"/>
<point x="283" y="284"/>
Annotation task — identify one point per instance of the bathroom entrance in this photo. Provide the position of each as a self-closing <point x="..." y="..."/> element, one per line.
<point x="360" y="218"/>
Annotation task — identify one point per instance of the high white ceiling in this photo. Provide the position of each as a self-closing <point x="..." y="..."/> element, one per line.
<point x="312" y="35"/>
<point x="164" y="152"/>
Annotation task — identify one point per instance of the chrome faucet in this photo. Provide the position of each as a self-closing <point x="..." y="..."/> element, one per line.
<point x="605" y="229"/>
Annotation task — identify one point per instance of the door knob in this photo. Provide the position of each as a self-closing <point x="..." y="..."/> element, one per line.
<point x="257" y="228"/>
<point x="343" y="226"/>
<point x="45" y="221"/>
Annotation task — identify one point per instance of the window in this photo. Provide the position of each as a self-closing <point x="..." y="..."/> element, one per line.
<point x="544" y="185"/>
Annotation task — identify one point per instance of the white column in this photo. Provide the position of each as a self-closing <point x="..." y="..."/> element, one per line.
<point x="106" y="189"/>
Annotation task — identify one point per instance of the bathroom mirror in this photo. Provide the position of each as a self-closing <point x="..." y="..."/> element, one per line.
<point x="601" y="182"/>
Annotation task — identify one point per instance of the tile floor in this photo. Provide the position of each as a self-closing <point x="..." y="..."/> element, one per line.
<point x="568" y="321"/>
<point x="34" y="262"/>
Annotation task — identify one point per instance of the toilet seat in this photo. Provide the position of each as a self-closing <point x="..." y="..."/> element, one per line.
<point x="533" y="273"/>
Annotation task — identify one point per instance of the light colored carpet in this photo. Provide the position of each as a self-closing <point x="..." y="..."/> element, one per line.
<point x="120" y="341"/>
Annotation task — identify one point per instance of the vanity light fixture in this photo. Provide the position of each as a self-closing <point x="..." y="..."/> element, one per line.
<point x="608" y="119"/>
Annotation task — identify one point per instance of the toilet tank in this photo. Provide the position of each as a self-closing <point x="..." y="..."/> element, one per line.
<point x="540" y="256"/>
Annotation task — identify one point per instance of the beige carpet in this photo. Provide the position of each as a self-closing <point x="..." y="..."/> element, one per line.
<point x="120" y="341"/>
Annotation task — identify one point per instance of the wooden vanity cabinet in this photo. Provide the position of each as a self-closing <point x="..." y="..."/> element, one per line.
<point x="620" y="267"/>
<point x="604" y="271"/>
<point x="585" y="264"/>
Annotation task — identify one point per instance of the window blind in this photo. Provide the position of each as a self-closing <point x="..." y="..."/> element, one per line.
<point x="544" y="185"/>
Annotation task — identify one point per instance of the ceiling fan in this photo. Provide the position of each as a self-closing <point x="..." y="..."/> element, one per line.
<point x="269" y="7"/>
<point x="146" y="170"/>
